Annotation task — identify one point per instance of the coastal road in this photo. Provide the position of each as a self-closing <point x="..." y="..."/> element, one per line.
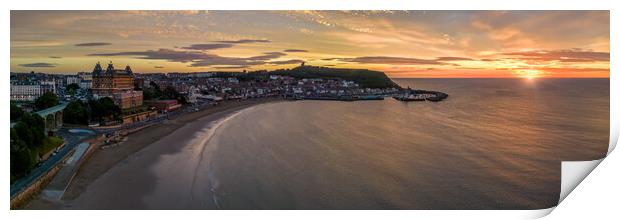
<point x="71" y="141"/>
<point x="158" y="119"/>
<point x="56" y="188"/>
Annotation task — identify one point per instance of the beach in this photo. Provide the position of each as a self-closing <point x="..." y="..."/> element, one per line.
<point x="102" y="160"/>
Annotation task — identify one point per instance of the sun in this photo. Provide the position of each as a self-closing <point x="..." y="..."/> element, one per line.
<point x="529" y="74"/>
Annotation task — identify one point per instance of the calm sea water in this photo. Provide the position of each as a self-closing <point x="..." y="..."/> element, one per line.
<point x="493" y="144"/>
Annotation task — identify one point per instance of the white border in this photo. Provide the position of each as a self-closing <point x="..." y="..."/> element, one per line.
<point x="606" y="169"/>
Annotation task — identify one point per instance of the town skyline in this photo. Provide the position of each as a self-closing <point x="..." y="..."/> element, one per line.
<point x="403" y="44"/>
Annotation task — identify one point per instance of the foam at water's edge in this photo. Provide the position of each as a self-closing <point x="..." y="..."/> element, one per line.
<point x="203" y="141"/>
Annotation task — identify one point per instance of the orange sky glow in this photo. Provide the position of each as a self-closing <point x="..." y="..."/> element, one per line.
<point x="404" y="44"/>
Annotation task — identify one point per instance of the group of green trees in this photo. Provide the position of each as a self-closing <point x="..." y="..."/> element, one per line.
<point x="28" y="141"/>
<point x="365" y="78"/>
<point x="81" y="113"/>
<point x="154" y="92"/>
<point x="72" y="88"/>
<point x="48" y="99"/>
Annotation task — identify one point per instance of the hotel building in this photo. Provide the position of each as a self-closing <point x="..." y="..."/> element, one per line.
<point x="116" y="84"/>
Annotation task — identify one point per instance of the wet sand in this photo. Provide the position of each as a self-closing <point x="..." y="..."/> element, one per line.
<point x="149" y="146"/>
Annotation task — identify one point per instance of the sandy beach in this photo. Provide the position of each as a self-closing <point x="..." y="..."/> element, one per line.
<point x="103" y="160"/>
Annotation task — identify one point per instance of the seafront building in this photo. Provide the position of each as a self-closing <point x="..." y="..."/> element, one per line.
<point x="25" y="92"/>
<point x="30" y="90"/>
<point x="128" y="99"/>
<point x="105" y="83"/>
<point x="116" y="84"/>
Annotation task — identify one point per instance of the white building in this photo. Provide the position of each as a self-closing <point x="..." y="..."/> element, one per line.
<point x="86" y="84"/>
<point x="85" y="76"/>
<point x="48" y="85"/>
<point x="233" y="80"/>
<point x="73" y="79"/>
<point x="27" y="92"/>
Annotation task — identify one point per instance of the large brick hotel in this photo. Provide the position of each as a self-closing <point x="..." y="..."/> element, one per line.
<point x="116" y="84"/>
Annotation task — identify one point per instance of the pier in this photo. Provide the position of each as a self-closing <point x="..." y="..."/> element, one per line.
<point x="420" y="95"/>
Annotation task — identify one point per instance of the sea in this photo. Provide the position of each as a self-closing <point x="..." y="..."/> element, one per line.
<point x="492" y="144"/>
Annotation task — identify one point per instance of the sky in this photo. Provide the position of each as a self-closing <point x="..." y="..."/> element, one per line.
<point x="455" y="44"/>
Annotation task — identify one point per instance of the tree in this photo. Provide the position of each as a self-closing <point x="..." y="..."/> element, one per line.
<point x="16" y="112"/>
<point x="172" y="93"/>
<point x="75" y="113"/>
<point x="27" y="136"/>
<point x="71" y="88"/>
<point x="110" y="109"/>
<point x="22" y="161"/>
<point x="154" y="85"/>
<point x="103" y="108"/>
<point x="153" y="92"/>
<point x="31" y="129"/>
<point x="46" y="100"/>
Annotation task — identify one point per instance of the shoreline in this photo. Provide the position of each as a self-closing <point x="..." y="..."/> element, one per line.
<point x="103" y="160"/>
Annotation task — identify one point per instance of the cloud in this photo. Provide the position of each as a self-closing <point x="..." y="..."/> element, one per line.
<point x="162" y="54"/>
<point x="207" y="46"/>
<point x="391" y="60"/>
<point x="223" y="44"/>
<point x="295" y="51"/>
<point x="158" y="67"/>
<point x="243" y="41"/>
<point x="568" y="55"/>
<point x="231" y="67"/>
<point x="197" y="58"/>
<point x="37" y="65"/>
<point x="283" y="62"/>
<point x="452" y="59"/>
<point x="239" y="61"/>
<point x="93" y="44"/>
<point x="268" y="56"/>
<point x="55" y="57"/>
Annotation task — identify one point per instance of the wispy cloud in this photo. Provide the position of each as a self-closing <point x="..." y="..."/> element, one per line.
<point x="93" y="44"/>
<point x="391" y="60"/>
<point x="196" y="58"/>
<point x="231" y="67"/>
<point x="243" y="41"/>
<point x="38" y="65"/>
<point x="283" y="62"/>
<point x="161" y="54"/>
<point x="453" y="59"/>
<point x="55" y="57"/>
<point x="568" y="55"/>
<point x="207" y="46"/>
<point x="295" y="51"/>
<point x="215" y="60"/>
